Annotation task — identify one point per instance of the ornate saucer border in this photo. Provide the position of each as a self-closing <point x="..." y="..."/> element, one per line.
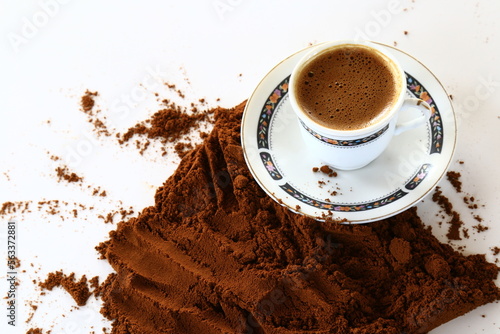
<point x="268" y="111"/>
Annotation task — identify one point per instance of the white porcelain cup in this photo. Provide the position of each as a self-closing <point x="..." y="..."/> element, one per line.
<point x="353" y="149"/>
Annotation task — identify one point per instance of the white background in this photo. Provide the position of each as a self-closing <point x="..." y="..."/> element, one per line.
<point x="52" y="51"/>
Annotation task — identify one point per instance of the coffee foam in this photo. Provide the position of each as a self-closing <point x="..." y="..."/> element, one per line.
<point x="348" y="88"/>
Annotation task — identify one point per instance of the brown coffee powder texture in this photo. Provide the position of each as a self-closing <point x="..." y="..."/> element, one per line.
<point x="63" y="173"/>
<point x="496" y="250"/>
<point x="215" y="254"/>
<point x="328" y="171"/>
<point x="454" y="178"/>
<point x="455" y="222"/>
<point x="87" y="102"/>
<point x="168" y="125"/>
<point x="14" y="207"/>
<point x="34" y="331"/>
<point x="78" y="289"/>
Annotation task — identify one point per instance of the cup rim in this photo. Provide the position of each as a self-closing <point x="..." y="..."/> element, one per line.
<point x="319" y="48"/>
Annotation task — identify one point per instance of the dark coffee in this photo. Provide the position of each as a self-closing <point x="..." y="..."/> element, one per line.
<point x="348" y="87"/>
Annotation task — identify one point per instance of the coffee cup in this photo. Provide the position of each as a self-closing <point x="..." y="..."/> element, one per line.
<point x="347" y="96"/>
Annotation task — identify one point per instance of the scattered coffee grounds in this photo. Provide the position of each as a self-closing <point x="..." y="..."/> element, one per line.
<point x="326" y="170"/>
<point x="465" y="231"/>
<point x="100" y="127"/>
<point x="174" y="88"/>
<point x="109" y="217"/>
<point x="98" y="192"/>
<point x="169" y="125"/>
<point x="35" y="331"/>
<point x="215" y="254"/>
<point x="454" y="178"/>
<point x="33" y="307"/>
<point x="87" y="101"/>
<point x="14" y="262"/>
<point x="478" y="218"/>
<point x="455" y="222"/>
<point x="53" y="206"/>
<point x="496" y="250"/>
<point x="480" y="228"/>
<point x="87" y="104"/>
<point x="79" y="290"/>
<point x="7" y="208"/>
<point x="470" y="202"/>
<point x="14" y="207"/>
<point x="63" y="173"/>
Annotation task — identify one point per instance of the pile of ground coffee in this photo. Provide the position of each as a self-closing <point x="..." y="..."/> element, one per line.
<point x="216" y="255"/>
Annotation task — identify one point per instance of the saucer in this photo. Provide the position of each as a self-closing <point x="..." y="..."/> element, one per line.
<point x="410" y="168"/>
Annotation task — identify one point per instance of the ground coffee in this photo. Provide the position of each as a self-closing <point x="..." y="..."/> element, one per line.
<point x="216" y="255"/>
<point x="78" y="289"/>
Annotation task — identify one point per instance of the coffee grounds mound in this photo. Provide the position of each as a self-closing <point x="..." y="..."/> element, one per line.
<point x="79" y="290"/>
<point x="215" y="254"/>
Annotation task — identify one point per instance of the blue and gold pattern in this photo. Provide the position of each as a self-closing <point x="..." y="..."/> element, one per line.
<point x="267" y="113"/>
<point x="339" y="142"/>
<point x="435" y="120"/>
<point x="270" y="166"/>
<point x="343" y="207"/>
<point x="419" y="177"/>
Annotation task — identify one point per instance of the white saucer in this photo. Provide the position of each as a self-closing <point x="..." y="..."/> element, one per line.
<point x="408" y="170"/>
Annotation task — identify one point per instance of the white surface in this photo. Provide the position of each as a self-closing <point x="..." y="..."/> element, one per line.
<point x="127" y="49"/>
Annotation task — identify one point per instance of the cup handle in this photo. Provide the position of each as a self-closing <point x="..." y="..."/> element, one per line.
<point x="414" y="103"/>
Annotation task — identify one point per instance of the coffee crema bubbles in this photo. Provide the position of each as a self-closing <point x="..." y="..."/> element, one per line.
<point x="348" y="87"/>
